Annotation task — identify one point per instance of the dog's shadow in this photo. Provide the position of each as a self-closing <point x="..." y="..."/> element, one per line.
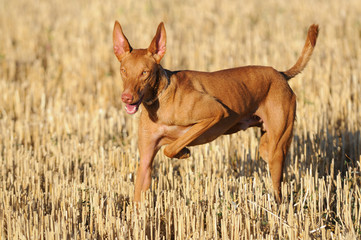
<point x="328" y="152"/>
<point x="325" y="154"/>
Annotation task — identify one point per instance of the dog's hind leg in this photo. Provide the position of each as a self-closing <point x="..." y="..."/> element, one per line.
<point x="263" y="146"/>
<point x="275" y="142"/>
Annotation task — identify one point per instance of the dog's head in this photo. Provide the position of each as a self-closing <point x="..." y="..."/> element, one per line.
<point x="139" y="68"/>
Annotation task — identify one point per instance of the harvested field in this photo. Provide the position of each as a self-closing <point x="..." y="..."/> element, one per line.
<point x="68" y="150"/>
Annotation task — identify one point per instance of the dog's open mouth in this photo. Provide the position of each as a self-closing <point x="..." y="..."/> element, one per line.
<point x="133" y="108"/>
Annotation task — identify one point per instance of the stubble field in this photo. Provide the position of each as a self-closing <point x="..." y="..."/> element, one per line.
<point x="68" y="151"/>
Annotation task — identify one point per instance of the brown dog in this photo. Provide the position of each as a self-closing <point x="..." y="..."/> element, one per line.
<point x="187" y="108"/>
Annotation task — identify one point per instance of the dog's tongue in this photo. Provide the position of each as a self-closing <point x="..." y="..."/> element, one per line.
<point x="131" y="109"/>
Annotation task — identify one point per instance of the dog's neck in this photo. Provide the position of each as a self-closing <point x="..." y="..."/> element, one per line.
<point x="162" y="82"/>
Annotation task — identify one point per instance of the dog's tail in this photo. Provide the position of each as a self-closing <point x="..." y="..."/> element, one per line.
<point x="305" y="55"/>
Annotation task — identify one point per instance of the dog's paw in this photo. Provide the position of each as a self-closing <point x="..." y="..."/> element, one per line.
<point x="184" y="153"/>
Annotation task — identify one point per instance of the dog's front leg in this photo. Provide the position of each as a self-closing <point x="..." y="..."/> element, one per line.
<point x="148" y="147"/>
<point x="177" y="148"/>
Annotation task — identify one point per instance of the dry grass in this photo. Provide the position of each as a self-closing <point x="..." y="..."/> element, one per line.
<point x="68" y="151"/>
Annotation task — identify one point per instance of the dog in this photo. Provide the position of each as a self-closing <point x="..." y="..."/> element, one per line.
<point x="188" y="108"/>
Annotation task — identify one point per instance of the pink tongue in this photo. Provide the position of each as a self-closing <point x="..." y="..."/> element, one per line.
<point x="131" y="109"/>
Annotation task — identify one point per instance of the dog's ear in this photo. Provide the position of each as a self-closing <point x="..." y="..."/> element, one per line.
<point x="158" y="46"/>
<point x="121" y="45"/>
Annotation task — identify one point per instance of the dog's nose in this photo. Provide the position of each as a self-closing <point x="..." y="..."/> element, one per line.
<point x="127" y="98"/>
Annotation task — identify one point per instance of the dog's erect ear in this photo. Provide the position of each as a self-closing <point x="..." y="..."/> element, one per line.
<point x="157" y="46"/>
<point x="121" y="45"/>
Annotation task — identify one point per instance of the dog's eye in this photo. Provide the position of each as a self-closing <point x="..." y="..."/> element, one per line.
<point x="145" y="72"/>
<point x="123" y="70"/>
